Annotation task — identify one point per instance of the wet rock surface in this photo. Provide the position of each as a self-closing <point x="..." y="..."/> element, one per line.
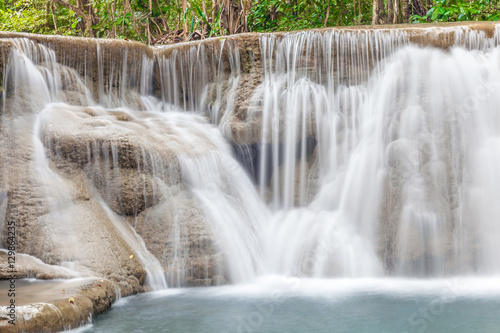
<point x="56" y="306"/>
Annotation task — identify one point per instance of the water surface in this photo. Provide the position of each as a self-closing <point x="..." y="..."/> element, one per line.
<point x="281" y="304"/>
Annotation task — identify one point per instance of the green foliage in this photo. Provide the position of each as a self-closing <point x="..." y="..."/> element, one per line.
<point x="216" y="27"/>
<point x="23" y="16"/>
<point x="451" y="11"/>
<point x="143" y="20"/>
<point x="119" y="23"/>
<point x="260" y="19"/>
<point x="32" y="16"/>
<point x="282" y="15"/>
<point x="196" y="10"/>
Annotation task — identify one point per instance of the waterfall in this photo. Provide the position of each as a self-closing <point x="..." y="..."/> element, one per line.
<point x="386" y="183"/>
<point x="333" y="153"/>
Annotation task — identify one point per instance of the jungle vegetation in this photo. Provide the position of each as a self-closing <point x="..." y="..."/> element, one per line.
<point x="169" y="21"/>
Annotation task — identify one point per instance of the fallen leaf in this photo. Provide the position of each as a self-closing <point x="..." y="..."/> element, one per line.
<point x="131" y="256"/>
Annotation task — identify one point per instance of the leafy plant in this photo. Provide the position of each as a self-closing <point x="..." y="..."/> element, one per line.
<point x="451" y="11"/>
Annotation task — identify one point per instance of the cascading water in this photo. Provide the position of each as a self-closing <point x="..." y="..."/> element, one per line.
<point x="131" y="168"/>
<point x="388" y="186"/>
<point x="324" y="172"/>
<point x="355" y="154"/>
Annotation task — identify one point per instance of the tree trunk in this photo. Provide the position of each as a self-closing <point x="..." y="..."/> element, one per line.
<point x="184" y="8"/>
<point x="406" y="11"/>
<point x="378" y="6"/>
<point x="113" y="11"/>
<point x="231" y="16"/>
<point x="327" y="13"/>
<point x="396" y="12"/>
<point x="150" y="17"/>
<point x="390" y="11"/>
